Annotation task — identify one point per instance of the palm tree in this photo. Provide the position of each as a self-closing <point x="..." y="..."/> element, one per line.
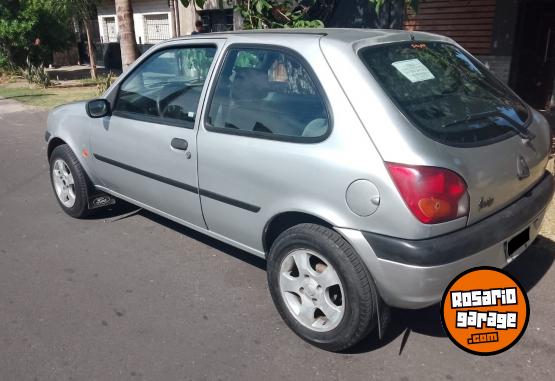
<point x="84" y="10"/>
<point x="126" y="26"/>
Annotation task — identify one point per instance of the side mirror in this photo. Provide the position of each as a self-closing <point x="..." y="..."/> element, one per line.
<point x="98" y="108"/>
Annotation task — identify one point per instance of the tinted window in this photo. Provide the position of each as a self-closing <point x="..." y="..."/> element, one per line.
<point x="166" y="87"/>
<point x="445" y="92"/>
<point x="268" y="93"/>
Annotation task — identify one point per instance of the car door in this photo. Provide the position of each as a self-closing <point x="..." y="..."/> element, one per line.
<point x="265" y="109"/>
<point x="146" y="150"/>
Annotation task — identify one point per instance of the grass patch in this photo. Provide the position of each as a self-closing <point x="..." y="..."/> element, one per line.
<point x="90" y="81"/>
<point x="49" y="97"/>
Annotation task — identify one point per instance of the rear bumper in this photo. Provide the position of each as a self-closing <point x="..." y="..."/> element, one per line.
<point x="414" y="273"/>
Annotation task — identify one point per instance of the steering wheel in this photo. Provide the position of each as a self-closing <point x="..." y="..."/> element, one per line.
<point x="168" y="93"/>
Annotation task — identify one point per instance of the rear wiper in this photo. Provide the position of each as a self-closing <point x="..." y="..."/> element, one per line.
<point x="521" y="131"/>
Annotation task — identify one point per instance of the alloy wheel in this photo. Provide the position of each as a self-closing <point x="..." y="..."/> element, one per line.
<point x="64" y="184"/>
<point x="312" y="290"/>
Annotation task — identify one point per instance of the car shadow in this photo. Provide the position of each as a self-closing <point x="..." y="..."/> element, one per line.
<point x="529" y="268"/>
<point x="122" y="209"/>
<point x="242" y="255"/>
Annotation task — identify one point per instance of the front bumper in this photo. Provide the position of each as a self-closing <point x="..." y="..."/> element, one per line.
<point x="414" y="273"/>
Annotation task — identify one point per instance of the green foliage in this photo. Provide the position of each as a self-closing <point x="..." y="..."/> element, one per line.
<point x="263" y="14"/>
<point x="413" y="4"/>
<point x="36" y="74"/>
<point x="6" y="67"/>
<point x="81" y="9"/>
<point x="104" y="82"/>
<point x="23" y="23"/>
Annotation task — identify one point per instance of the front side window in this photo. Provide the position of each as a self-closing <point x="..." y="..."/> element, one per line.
<point x="267" y="93"/>
<point x="166" y="87"/>
<point x="445" y="92"/>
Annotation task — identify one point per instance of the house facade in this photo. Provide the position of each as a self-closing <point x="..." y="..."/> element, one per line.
<point x="216" y="16"/>
<point x="152" y="19"/>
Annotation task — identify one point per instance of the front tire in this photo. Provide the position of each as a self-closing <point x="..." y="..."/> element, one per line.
<point x="321" y="288"/>
<point x="69" y="182"/>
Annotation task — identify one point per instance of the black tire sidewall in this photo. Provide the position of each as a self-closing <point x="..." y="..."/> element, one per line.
<point x="359" y="296"/>
<point x="80" y="207"/>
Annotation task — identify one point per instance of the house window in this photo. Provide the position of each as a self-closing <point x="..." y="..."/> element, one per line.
<point x="217" y="20"/>
<point x="157" y="28"/>
<point x="110" y="32"/>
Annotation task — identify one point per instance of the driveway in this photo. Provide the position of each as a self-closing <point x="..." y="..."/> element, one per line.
<point x="131" y="296"/>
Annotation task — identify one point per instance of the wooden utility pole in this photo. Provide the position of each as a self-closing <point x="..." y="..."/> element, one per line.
<point x="92" y="59"/>
<point x="126" y="26"/>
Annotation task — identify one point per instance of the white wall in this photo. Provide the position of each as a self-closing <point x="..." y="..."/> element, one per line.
<point x="188" y="16"/>
<point x="140" y="9"/>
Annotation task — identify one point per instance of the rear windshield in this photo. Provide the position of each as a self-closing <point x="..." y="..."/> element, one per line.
<point x="445" y="92"/>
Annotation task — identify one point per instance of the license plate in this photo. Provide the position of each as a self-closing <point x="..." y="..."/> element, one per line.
<point x="514" y="245"/>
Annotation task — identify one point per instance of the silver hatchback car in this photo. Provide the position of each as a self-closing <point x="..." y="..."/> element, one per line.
<point x="368" y="167"/>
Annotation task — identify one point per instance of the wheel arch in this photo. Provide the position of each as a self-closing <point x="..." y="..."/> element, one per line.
<point x="57" y="141"/>
<point x="52" y="144"/>
<point x="285" y="220"/>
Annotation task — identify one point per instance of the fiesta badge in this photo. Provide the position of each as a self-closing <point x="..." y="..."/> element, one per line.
<point x="484" y="311"/>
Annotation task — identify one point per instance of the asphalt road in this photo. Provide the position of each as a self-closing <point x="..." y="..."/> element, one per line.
<point x="130" y="297"/>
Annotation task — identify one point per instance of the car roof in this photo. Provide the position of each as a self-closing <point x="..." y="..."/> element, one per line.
<point x="341" y="35"/>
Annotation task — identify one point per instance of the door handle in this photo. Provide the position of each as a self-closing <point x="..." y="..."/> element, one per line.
<point x="181" y="144"/>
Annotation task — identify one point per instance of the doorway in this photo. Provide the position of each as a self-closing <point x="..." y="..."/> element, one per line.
<point x="533" y="72"/>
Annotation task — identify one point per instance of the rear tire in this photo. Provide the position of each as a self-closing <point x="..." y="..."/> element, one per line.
<point x="70" y="182"/>
<point x="351" y="300"/>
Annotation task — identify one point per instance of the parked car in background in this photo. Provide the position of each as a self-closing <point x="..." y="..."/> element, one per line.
<point x="368" y="167"/>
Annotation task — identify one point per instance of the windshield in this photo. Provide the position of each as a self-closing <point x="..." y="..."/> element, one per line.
<point x="446" y="93"/>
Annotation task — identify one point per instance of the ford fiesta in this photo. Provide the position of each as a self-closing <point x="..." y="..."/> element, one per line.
<point x="368" y="167"/>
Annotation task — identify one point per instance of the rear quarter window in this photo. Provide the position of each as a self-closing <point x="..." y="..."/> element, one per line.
<point x="446" y="93"/>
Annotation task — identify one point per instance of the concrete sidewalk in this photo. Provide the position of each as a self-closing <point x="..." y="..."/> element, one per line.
<point x="76" y="72"/>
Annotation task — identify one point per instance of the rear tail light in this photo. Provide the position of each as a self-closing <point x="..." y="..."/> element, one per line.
<point x="432" y="194"/>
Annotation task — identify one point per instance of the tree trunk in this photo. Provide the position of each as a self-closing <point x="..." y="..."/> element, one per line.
<point x="92" y="59"/>
<point x="126" y="26"/>
<point x="177" y="24"/>
<point x="172" y="18"/>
